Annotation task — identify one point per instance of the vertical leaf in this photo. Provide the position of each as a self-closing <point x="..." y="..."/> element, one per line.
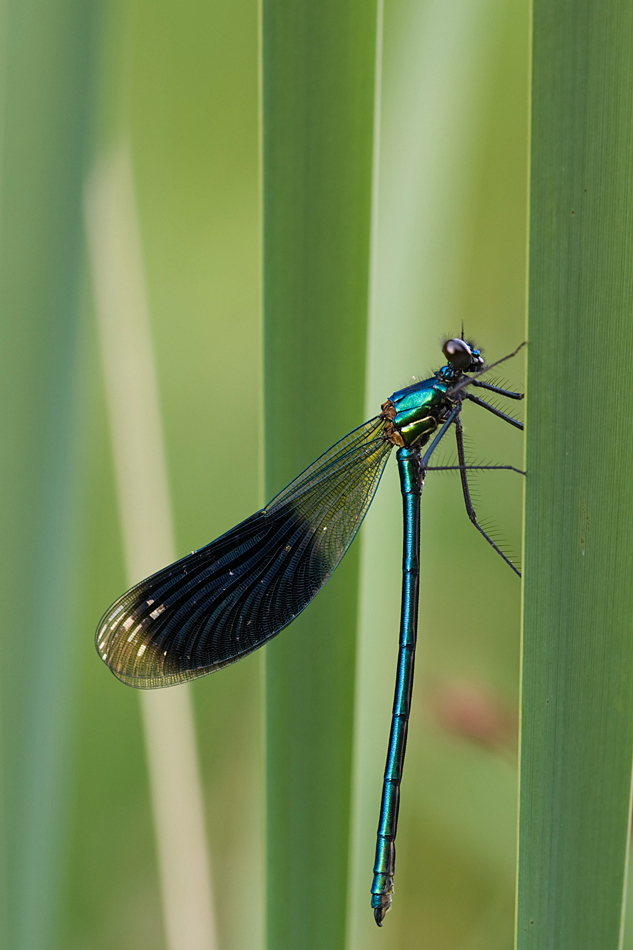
<point x="127" y="354"/>
<point x="577" y="691"/>
<point x="318" y="65"/>
<point x="46" y="82"/>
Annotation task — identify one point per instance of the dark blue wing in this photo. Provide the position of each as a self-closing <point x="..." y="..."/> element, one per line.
<point x="228" y="598"/>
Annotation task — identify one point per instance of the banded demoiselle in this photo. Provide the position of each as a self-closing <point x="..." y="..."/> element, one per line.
<point x="232" y="596"/>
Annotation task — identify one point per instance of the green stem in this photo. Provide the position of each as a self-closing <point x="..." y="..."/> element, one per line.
<point x="577" y="683"/>
<point x="318" y="65"/>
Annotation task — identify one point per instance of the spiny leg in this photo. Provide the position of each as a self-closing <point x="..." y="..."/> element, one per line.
<point x="454" y="414"/>
<point x="474" y="468"/>
<point x="496" y="389"/>
<point x="459" y="435"/>
<point x="495" y="412"/>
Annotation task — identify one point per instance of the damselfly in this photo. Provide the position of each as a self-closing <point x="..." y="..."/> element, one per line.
<point x="230" y="597"/>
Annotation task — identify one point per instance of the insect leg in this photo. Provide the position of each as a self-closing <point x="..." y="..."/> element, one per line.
<point x="474" y="468"/>
<point x="459" y="434"/>
<point x="495" y="412"/>
<point x="440" y="435"/>
<point x="498" y="390"/>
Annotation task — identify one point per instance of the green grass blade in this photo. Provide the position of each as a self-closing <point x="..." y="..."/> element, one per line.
<point x="577" y="689"/>
<point x="46" y="86"/>
<point x="318" y="109"/>
<point x="147" y="527"/>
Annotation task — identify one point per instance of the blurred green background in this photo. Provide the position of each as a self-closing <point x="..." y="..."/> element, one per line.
<point x="171" y="92"/>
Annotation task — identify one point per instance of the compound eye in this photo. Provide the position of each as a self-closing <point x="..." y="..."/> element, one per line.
<point x="458" y="353"/>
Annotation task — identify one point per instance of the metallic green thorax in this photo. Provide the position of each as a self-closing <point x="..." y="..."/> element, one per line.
<point x="416" y="411"/>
